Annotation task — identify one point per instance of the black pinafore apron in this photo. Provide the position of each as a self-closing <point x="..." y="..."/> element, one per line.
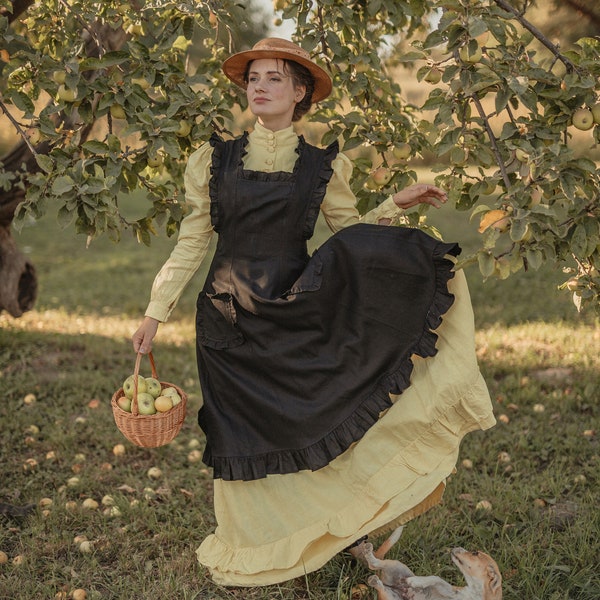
<point x="297" y="355"/>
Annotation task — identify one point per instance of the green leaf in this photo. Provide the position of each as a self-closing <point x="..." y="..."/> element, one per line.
<point x="62" y="184"/>
<point x="44" y="162"/>
<point x="487" y="264"/>
<point x="95" y="147"/>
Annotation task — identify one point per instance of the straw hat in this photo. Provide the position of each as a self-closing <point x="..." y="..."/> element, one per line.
<point x="235" y="66"/>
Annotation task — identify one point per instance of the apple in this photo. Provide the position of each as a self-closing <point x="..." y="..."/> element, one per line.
<point x="382" y="176"/>
<point x="583" y="119"/>
<point x="141" y="81"/>
<point x="184" y="128"/>
<point x="434" y="75"/>
<point x="59" y="76"/>
<point x="173" y="393"/>
<point x="124" y="403"/>
<point x="521" y="155"/>
<point x="117" y="111"/>
<point x="145" y="402"/>
<point x="596" y="112"/>
<point x="163" y="403"/>
<point x="153" y="386"/>
<point x="155" y="161"/>
<point x="470" y="53"/>
<point x="402" y="151"/>
<point x="498" y="219"/>
<point x="66" y="94"/>
<point x="129" y="385"/>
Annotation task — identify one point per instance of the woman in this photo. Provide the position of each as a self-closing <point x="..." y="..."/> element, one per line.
<point x="331" y="408"/>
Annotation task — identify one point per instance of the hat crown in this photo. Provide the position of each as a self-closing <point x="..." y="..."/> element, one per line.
<point x="280" y="45"/>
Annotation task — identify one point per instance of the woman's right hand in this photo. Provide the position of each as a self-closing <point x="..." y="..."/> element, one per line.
<point x="142" y="338"/>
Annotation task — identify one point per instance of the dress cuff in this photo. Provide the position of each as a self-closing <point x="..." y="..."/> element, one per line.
<point x="158" y="310"/>
<point x="388" y="209"/>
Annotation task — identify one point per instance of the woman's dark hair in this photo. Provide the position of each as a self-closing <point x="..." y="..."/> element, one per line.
<point x="301" y="76"/>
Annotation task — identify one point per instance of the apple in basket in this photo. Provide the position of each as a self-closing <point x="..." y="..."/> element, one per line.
<point x="153" y="386"/>
<point x="124" y="403"/>
<point x="172" y="393"/>
<point x="129" y="386"/>
<point x="145" y="403"/>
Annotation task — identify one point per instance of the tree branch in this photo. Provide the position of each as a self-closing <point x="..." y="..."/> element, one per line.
<point x="492" y="138"/>
<point x="537" y="33"/>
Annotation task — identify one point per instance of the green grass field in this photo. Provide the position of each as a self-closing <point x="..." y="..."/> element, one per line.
<point x="537" y="470"/>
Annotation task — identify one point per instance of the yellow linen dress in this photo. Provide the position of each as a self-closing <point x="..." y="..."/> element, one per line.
<point x="283" y="526"/>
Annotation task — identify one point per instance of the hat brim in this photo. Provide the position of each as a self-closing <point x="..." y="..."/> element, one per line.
<point x="235" y="69"/>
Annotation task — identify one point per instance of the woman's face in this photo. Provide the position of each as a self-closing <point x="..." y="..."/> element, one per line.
<point x="272" y="95"/>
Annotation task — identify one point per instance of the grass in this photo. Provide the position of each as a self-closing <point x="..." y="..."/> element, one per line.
<point x="538" y="468"/>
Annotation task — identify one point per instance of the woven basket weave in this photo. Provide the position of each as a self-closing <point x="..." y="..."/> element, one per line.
<point x="149" y="431"/>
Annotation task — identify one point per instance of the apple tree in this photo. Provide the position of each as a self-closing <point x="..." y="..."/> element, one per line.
<point x="111" y="97"/>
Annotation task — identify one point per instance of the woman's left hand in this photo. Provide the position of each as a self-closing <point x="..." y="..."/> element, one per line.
<point x="420" y="193"/>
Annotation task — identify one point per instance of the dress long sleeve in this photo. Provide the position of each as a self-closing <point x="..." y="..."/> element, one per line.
<point x="192" y="244"/>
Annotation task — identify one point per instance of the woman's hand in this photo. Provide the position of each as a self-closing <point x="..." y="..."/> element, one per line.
<point x="142" y="338"/>
<point x="420" y="193"/>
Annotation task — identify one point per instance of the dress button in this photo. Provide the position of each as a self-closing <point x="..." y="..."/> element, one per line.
<point x="269" y="161"/>
<point x="270" y="149"/>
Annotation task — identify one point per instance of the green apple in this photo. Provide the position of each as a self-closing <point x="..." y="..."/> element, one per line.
<point x="470" y="53"/>
<point x="596" y="113"/>
<point x="382" y="176"/>
<point x="66" y="94"/>
<point x="153" y="386"/>
<point x="117" y="111"/>
<point x="141" y="81"/>
<point x="434" y="75"/>
<point x="402" y="151"/>
<point x="521" y="155"/>
<point x="145" y="402"/>
<point x="155" y="161"/>
<point x="59" y="76"/>
<point x="129" y="385"/>
<point x="124" y="403"/>
<point x="173" y="393"/>
<point x="184" y="128"/>
<point x="583" y="119"/>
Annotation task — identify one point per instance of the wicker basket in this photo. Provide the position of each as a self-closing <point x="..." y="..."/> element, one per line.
<point x="149" y="431"/>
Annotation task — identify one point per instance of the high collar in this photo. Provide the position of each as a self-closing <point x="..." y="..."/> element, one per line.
<point x="264" y="137"/>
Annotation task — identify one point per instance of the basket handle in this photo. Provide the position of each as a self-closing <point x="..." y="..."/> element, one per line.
<point x="136" y="372"/>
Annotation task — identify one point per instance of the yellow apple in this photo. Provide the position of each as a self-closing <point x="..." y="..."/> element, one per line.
<point x="596" y="112"/>
<point x="583" y="119"/>
<point x="163" y="403"/>
<point x="497" y="218"/>
<point x="173" y="394"/>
